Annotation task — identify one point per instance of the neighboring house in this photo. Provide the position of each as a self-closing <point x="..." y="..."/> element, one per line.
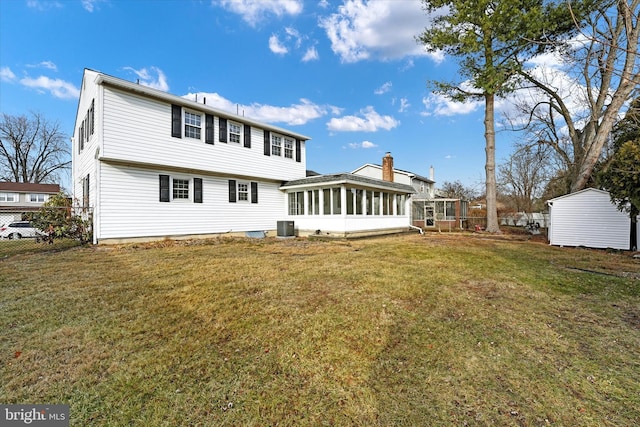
<point x="153" y="165"/>
<point x="17" y="198"/>
<point x="427" y="208"/>
<point x="588" y="218"/>
<point x="424" y="187"/>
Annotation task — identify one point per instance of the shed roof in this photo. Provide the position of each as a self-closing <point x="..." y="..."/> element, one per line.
<point x="578" y="192"/>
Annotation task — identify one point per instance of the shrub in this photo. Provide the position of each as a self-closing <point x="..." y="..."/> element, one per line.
<point x="56" y="218"/>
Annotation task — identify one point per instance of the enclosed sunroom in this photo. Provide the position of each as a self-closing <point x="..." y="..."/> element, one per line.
<point x="347" y="205"/>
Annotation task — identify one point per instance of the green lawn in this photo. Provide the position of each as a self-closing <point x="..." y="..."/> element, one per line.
<point x="408" y="330"/>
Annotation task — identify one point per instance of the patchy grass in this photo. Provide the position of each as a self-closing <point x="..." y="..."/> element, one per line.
<point x="11" y="247"/>
<point x="411" y="330"/>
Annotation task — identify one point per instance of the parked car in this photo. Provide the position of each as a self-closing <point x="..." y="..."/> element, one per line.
<point x="19" y="229"/>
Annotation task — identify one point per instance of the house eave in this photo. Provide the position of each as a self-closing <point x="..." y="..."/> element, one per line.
<point x="347" y="179"/>
<point x="107" y="80"/>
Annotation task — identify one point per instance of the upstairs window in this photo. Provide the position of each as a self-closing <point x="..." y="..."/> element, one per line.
<point x="8" y="197"/>
<point x="235" y="132"/>
<point x="288" y="148"/>
<point x="192" y="125"/>
<point x="276" y="145"/>
<point x="37" y="198"/>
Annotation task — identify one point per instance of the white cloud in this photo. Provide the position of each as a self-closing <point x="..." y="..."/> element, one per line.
<point x="295" y="114"/>
<point x="45" y="64"/>
<point x="363" y="144"/>
<point x="404" y="105"/>
<point x="323" y="4"/>
<point x="368" y="120"/>
<point x="58" y="88"/>
<point x="293" y="34"/>
<point x="276" y="47"/>
<point x="310" y="55"/>
<point x="90" y="5"/>
<point x="440" y="105"/>
<point x="6" y="75"/>
<point x="154" y="78"/>
<point x="292" y="41"/>
<point x="43" y="5"/>
<point x="410" y="64"/>
<point x="386" y="87"/>
<point x="383" y="30"/>
<point x="254" y="11"/>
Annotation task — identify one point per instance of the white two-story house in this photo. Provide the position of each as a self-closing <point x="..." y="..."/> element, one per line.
<point x="151" y="165"/>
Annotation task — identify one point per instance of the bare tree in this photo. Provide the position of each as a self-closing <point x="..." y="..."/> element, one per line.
<point x="523" y="177"/>
<point x="32" y="149"/>
<point x="606" y="72"/>
<point x="457" y="190"/>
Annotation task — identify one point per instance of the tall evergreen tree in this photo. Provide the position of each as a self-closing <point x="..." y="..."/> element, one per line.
<point x="491" y="38"/>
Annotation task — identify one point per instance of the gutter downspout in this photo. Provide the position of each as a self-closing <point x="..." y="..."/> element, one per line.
<point x="417" y="228"/>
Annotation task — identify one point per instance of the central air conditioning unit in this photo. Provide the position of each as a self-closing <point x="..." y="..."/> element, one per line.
<point x="286" y="229"/>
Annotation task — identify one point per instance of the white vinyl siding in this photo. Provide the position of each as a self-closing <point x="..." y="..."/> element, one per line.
<point x="138" y="130"/>
<point x="84" y="161"/>
<point x="130" y="207"/>
<point x="588" y="218"/>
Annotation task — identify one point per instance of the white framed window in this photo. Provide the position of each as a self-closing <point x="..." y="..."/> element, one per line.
<point x="38" y="198"/>
<point x="192" y="125"/>
<point x="276" y="145"/>
<point x="8" y="197"/>
<point x="180" y="189"/>
<point x="288" y="148"/>
<point x="235" y="132"/>
<point x="296" y="203"/>
<point x="243" y="192"/>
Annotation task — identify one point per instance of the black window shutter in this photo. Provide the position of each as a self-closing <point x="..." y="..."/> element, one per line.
<point x="92" y="115"/>
<point x="222" y="137"/>
<point x="176" y="121"/>
<point x="197" y="190"/>
<point x="208" y="119"/>
<point x="247" y="136"/>
<point x="298" y="153"/>
<point x="254" y="192"/>
<point x="267" y="143"/>
<point x="232" y="191"/>
<point x="164" y="188"/>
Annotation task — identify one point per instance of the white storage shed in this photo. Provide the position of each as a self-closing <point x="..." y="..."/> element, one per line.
<point x="588" y="218"/>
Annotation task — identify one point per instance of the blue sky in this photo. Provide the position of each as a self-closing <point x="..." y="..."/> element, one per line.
<point x="349" y="74"/>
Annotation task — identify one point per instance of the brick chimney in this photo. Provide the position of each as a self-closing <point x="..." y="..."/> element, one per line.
<point x="387" y="167"/>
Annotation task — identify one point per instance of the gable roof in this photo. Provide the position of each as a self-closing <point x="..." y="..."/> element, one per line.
<point x="579" y="192"/>
<point x="400" y="171"/>
<point x="347" y="178"/>
<point x="27" y="187"/>
<point x="105" y="79"/>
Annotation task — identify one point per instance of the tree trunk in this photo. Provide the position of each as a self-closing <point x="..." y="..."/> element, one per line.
<point x="490" y="164"/>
